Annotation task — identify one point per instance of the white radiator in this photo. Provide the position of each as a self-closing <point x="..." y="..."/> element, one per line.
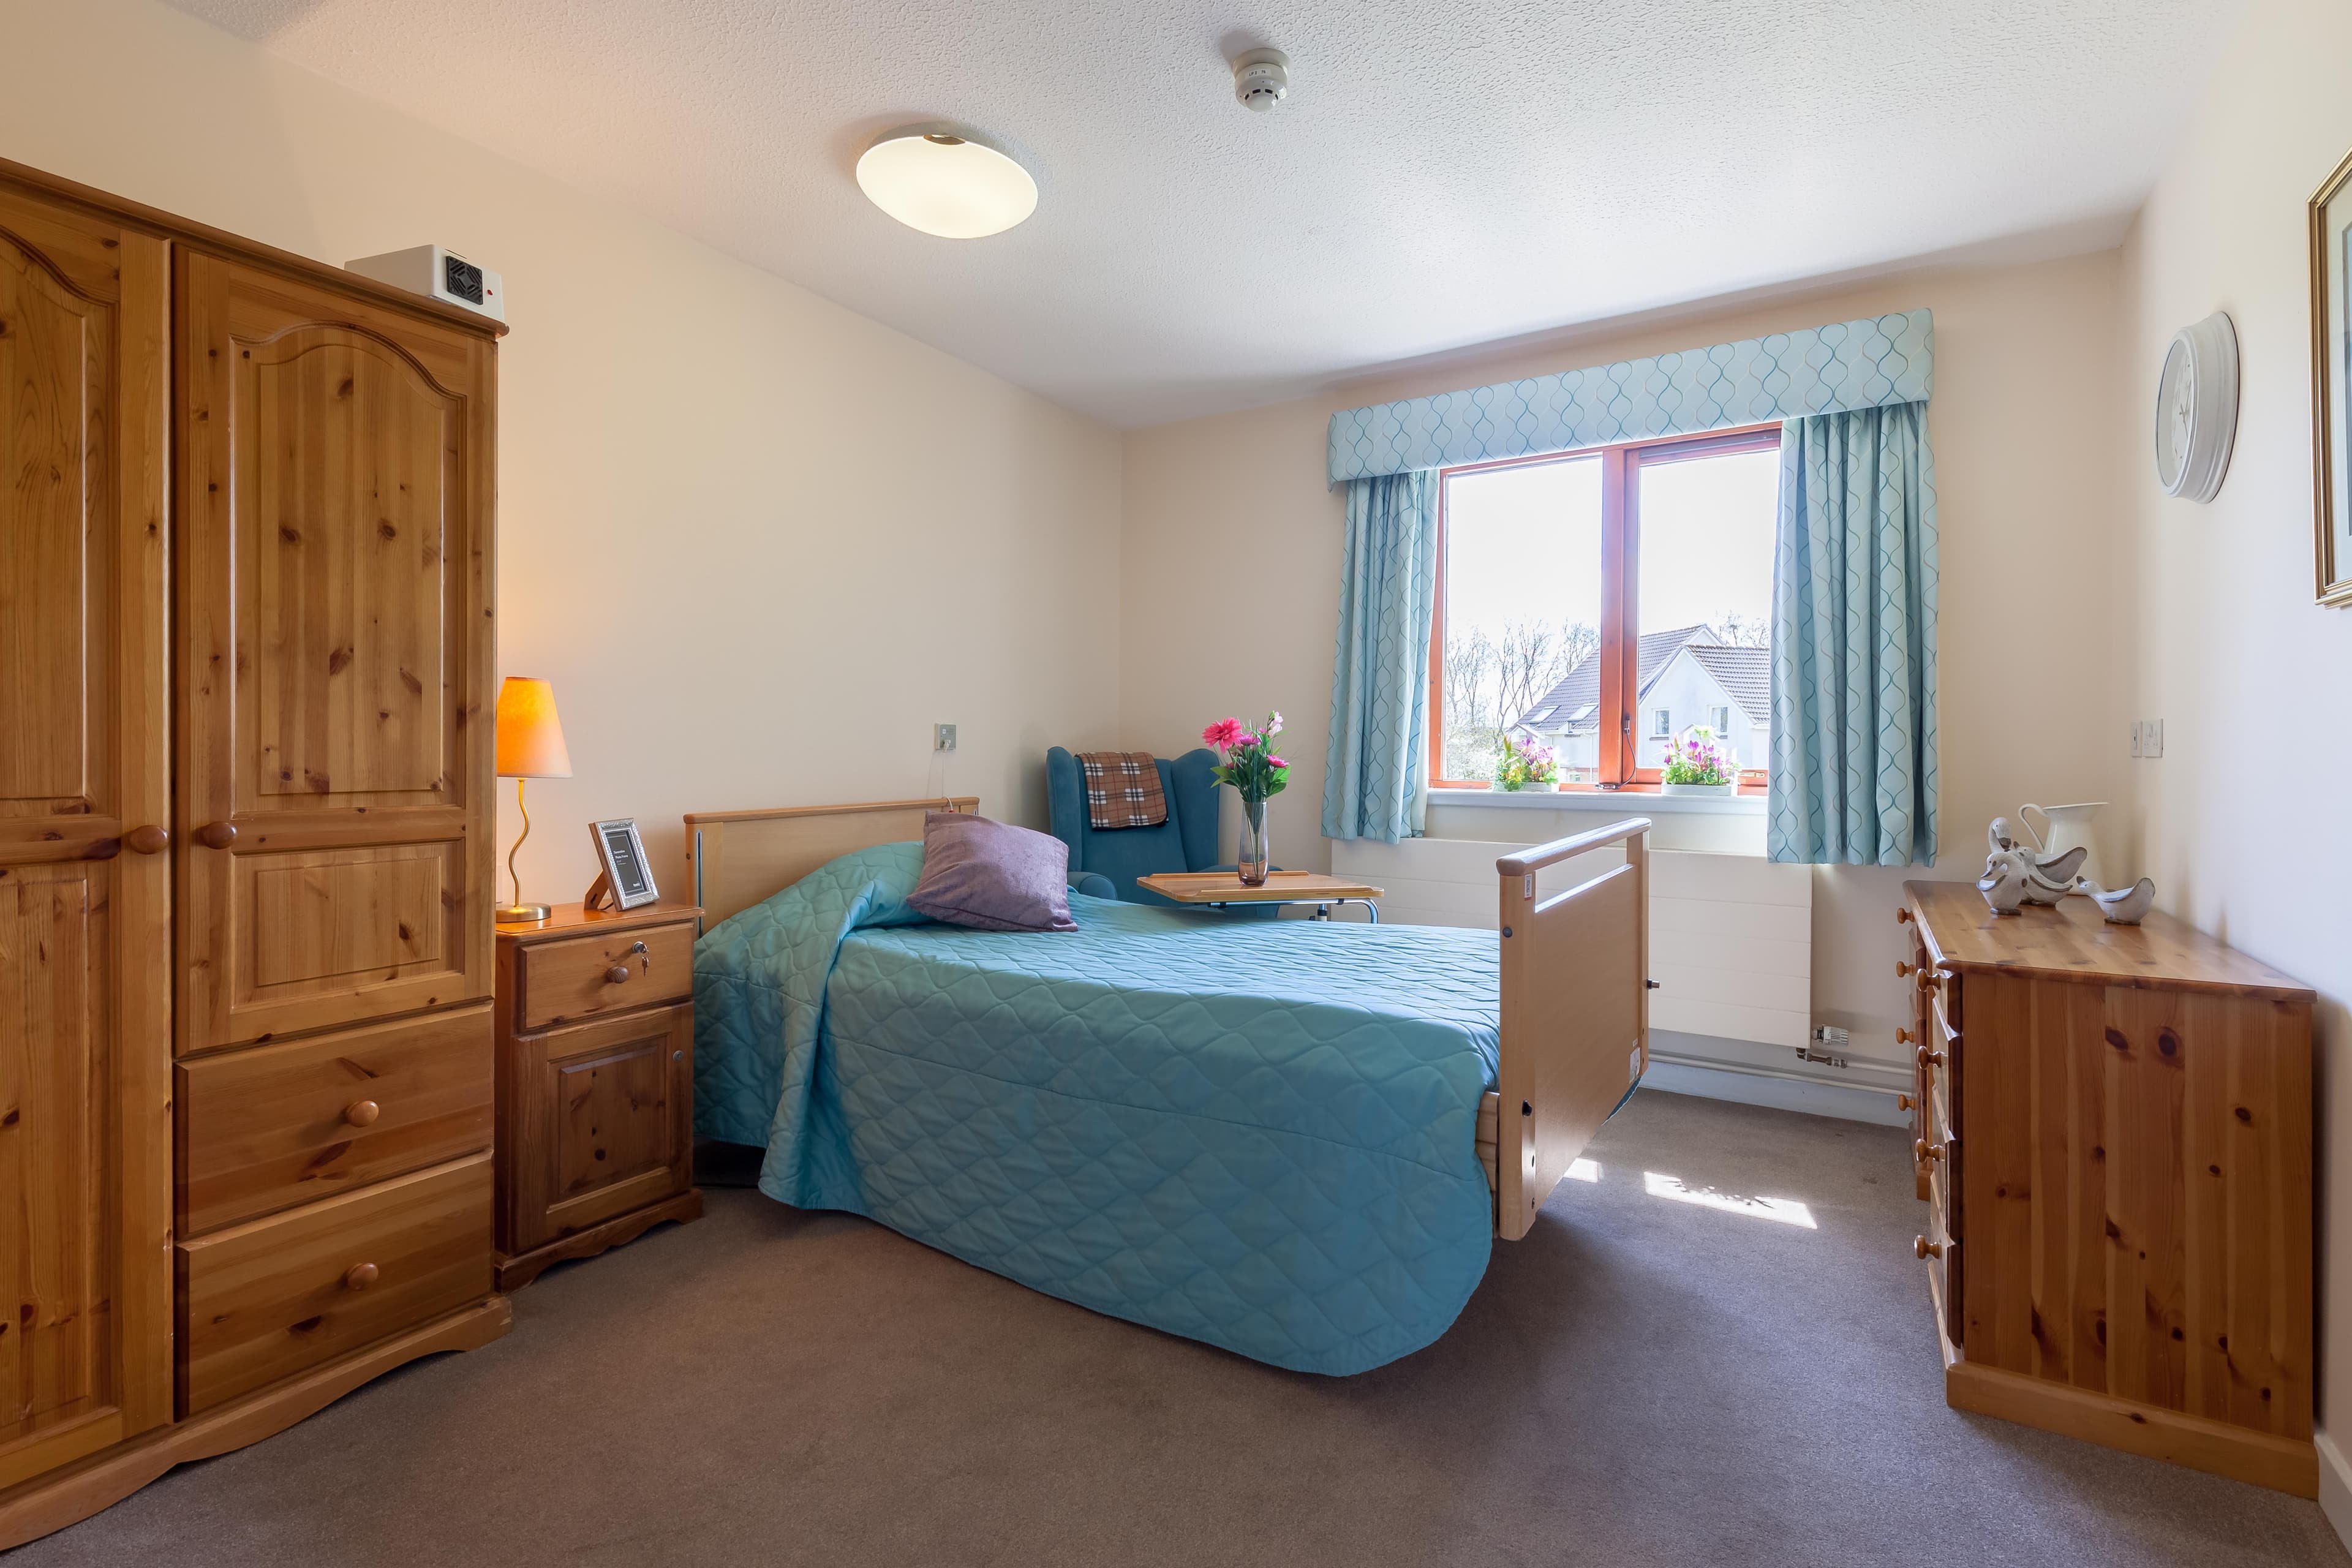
<point x="1731" y="936"/>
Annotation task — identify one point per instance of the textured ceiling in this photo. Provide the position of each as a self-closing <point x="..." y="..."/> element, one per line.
<point x="1442" y="173"/>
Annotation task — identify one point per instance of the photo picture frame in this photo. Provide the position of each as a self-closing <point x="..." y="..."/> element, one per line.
<point x="625" y="880"/>
<point x="2331" y="384"/>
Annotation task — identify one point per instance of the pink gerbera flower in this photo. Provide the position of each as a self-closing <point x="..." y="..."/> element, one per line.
<point x="1223" y="735"/>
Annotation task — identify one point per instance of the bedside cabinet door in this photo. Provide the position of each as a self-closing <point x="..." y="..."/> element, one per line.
<point x="609" y="1104"/>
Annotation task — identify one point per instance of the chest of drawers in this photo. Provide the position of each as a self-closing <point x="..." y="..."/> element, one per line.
<point x="2115" y="1144"/>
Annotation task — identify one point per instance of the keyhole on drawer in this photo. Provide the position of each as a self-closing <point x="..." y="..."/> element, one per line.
<point x="645" y="958"/>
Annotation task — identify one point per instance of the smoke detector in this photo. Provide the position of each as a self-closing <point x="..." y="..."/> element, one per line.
<point x="1261" y="78"/>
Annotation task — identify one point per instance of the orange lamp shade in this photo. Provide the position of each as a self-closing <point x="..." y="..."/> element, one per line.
<point x="531" y="737"/>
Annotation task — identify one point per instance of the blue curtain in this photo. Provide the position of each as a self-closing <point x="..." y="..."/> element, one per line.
<point x="1375" y="783"/>
<point x="1853" y="641"/>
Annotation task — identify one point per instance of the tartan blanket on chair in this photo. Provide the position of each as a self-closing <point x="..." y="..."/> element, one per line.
<point x="1123" y="789"/>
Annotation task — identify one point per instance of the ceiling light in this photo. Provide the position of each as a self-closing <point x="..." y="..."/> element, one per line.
<point x="951" y="185"/>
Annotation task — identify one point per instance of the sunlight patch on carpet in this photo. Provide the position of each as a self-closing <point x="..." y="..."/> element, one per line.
<point x="1784" y="1211"/>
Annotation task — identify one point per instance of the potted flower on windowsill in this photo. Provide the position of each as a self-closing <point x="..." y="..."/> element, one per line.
<point x="1526" y="768"/>
<point x="1257" y="776"/>
<point x="1695" y="764"/>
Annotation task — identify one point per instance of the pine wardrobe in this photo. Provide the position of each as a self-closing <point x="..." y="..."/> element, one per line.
<point x="245" y="663"/>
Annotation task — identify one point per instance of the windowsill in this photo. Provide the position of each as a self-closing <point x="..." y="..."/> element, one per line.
<point x="1617" y="802"/>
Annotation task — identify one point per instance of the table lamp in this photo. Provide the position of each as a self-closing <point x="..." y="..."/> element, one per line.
<point x="530" y="746"/>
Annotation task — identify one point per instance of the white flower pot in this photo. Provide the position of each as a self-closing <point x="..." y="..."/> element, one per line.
<point x="1699" y="789"/>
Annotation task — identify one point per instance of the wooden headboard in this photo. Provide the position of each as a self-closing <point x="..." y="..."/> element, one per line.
<point x="739" y="857"/>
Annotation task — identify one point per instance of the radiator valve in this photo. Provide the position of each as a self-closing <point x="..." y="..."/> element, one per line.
<point x="1825" y="1048"/>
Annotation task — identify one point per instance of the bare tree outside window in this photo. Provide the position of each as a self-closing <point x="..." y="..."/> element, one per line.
<point x="1492" y="680"/>
<point x="1734" y="628"/>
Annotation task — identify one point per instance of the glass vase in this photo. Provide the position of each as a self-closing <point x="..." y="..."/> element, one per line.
<point x="1252" y="856"/>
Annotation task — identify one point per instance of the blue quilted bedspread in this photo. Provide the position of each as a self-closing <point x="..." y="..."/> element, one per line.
<point x="1261" y="1134"/>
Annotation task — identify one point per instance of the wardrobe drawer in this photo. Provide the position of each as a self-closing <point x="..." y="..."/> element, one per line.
<point x="581" y="976"/>
<point x="274" y="1296"/>
<point x="266" y="1129"/>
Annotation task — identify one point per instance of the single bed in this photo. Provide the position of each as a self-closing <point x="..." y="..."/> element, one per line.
<point x="1284" y="1137"/>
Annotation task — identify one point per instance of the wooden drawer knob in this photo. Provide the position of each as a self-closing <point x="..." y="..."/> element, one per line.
<point x="1924" y="1248"/>
<point x="148" y="840"/>
<point x="1924" y="1150"/>
<point x="361" y="1276"/>
<point x="363" y="1113"/>
<point x="1905" y="1103"/>
<point x="1905" y="1036"/>
<point x="618" y="975"/>
<point x="1928" y="1059"/>
<point x="1902" y="917"/>
<point x="1902" y="968"/>
<point x="216" y="835"/>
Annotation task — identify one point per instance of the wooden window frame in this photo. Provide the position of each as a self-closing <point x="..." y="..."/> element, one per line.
<point x="1622" y="466"/>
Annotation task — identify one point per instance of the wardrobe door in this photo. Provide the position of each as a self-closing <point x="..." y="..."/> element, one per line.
<point x="335" y="749"/>
<point x="85" y="890"/>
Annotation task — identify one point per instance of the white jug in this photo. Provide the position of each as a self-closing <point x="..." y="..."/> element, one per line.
<point x="2065" y="828"/>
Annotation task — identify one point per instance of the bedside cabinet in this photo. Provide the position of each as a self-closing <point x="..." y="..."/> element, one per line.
<point x="595" y="1082"/>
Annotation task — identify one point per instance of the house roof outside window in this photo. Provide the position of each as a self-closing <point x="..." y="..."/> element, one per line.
<point x="1744" y="673"/>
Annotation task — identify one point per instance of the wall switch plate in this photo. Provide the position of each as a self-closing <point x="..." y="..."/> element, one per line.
<point x="2137" y="728"/>
<point x="2151" y="737"/>
<point x="944" y="737"/>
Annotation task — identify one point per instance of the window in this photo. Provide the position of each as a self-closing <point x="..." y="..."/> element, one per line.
<point x="1577" y="593"/>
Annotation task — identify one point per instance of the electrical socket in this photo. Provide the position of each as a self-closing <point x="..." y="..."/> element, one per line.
<point x="944" y="737"/>
<point x="2151" y="737"/>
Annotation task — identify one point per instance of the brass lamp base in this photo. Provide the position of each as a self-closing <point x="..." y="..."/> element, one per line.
<point x="519" y="912"/>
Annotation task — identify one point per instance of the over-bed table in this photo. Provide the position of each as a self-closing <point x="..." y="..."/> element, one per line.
<point x="1241" y="1132"/>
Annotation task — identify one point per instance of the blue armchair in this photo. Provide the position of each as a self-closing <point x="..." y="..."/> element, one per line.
<point x="1187" y="841"/>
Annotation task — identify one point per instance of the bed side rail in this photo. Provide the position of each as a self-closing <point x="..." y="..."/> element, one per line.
<point x="1576" y="1010"/>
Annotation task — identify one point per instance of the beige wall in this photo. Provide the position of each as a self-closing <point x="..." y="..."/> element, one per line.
<point x="2239" y="822"/>
<point x="1233" y="511"/>
<point x="759" y="544"/>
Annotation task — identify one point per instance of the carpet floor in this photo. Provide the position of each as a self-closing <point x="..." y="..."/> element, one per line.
<point x="1641" y="1381"/>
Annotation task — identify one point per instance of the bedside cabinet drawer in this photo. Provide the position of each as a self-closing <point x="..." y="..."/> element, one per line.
<point x="266" y="1129"/>
<point x="578" y="977"/>
<point x="274" y="1297"/>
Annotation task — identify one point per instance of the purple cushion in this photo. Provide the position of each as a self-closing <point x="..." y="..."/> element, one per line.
<point x="992" y="876"/>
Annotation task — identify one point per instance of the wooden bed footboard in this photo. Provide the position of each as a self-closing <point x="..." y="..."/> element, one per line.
<point x="1576" y="1014"/>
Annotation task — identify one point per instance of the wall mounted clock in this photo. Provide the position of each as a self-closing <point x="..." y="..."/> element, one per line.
<point x="2197" y="409"/>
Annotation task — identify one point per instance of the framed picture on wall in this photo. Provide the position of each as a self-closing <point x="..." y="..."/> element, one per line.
<point x="627" y="875"/>
<point x="2331" y="381"/>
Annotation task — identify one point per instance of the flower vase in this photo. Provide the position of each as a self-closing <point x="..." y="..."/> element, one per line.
<point x="1253" y="859"/>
